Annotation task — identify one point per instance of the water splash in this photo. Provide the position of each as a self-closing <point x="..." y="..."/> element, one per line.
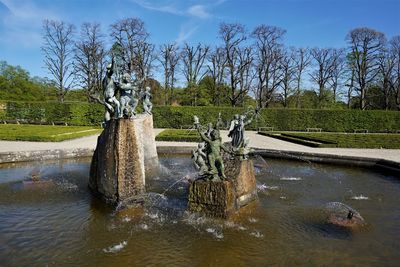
<point x="291" y="179"/>
<point x="217" y="234"/>
<point x="257" y="234"/>
<point x="360" y="197"/>
<point x="116" y="248"/>
<point x="253" y="220"/>
<point x="264" y="187"/>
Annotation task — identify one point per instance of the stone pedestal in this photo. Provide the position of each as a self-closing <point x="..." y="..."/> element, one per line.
<point x="117" y="171"/>
<point x="212" y="198"/>
<point x="222" y="199"/>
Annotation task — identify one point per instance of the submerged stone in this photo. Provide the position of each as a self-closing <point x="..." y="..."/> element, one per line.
<point x="343" y="215"/>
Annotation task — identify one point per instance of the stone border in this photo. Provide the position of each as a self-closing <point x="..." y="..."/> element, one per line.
<point x="381" y="164"/>
<point x="39" y="155"/>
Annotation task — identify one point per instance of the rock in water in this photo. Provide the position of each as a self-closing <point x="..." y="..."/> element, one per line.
<point x="343" y="215"/>
<point x="117" y="171"/>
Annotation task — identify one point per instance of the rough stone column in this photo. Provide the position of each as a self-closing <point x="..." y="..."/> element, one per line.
<point x="117" y="172"/>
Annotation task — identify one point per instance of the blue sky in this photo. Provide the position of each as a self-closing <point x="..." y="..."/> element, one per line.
<point x="322" y="23"/>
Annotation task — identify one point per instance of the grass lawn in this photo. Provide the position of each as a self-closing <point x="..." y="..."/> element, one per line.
<point x="344" y="140"/>
<point x="179" y="135"/>
<point x="26" y="132"/>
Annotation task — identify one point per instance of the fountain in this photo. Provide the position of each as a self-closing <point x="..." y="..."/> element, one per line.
<point x="47" y="216"/>
<point x="226" y="179"/>
<point x="126" y="145"/>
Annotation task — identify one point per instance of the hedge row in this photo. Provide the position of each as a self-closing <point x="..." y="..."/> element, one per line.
<point x="182" y="117"/>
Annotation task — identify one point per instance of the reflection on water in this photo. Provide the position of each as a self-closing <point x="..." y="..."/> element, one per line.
<point x="63" y="224"/>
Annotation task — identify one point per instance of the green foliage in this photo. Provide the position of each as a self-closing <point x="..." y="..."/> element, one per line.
<point x="343" y="140"/>
<point x="48" y="112"/>
<point x="44" y="132"/>
<point x="182" y="116"/>
<point x="179" y="135"/>
<point x="16" y="84"/>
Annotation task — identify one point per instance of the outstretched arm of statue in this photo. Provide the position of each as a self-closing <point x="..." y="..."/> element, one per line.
<point x="203" y="136"/>
<point x="227" y="150"/>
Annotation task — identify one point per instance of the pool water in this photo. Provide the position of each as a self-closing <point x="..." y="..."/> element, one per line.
<point x="62" y="224"/>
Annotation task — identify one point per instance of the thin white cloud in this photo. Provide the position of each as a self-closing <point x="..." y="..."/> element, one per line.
<point x="180" y="8"/>
<point x="185" y="33"/>
<point x="199" y="11"/>
<point x="166" y="8"/>
<point x="22" y="24"/>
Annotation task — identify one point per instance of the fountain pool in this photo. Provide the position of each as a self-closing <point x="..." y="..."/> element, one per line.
<point x="63" y="224"/>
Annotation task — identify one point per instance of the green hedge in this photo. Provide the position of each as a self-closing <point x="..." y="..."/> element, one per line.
<point x="182" y="117"/>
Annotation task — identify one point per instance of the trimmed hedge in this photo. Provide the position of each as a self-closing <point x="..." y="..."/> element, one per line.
<point x="179" y="135"/>
<point x="182" y="117"/>
<point x="343" y="140"/>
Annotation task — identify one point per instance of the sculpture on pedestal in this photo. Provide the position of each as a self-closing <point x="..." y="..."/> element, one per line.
<point x="110" y="101"/>
<point x="146" y="98"/>
<point x="226" y="179"/>
<point x="115" y="83"/>
<point x="128" y="97"/>
<point x="237" y="127"/>
<point x="213" y="146"/>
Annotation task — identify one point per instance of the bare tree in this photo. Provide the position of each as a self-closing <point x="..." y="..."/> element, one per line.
<point x="395" y="81"/>
<point x="89" y="60"/>
<point x="233" y="35"/>
<point x="216" y="69"/>
<point x="169" y="59"/>
<point x="142" y="63"/>
<point x="323" y="60"/>
<point x="268" y="43"/>
<point x="386" y="63"/>
<point x="137" y="56"/>
<point x="302" y="59"/>
<point x="58" y="53"/>
<point x="246" y="73"/>
<point x="338" y="70"/>
<point x="288" y="71"/>
<point x="365" y="46"/>
<point x="193" y="66"/>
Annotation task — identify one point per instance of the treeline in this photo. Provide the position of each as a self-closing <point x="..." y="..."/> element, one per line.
<point x="245" y="67"/>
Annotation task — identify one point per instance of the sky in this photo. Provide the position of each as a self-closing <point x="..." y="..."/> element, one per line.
<point x="309" y="23"/>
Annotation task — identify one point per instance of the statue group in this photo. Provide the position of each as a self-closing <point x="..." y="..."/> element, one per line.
<point x="129" y="93"/>
<point x="208" y="157"/>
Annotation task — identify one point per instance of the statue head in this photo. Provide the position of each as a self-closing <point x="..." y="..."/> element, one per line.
<point x="201" y="145"/>
<point x="147" y="89"/>
<point x="236" y="117"/>
<point x="210" y="125"/>
<point x="126" y="77"/>
<point x="214" y="135"/>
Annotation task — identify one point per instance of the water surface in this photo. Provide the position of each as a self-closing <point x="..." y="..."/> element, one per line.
<point x="62" y="224"/>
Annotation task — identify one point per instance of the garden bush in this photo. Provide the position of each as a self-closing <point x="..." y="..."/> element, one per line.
<point x="77" y="113"/>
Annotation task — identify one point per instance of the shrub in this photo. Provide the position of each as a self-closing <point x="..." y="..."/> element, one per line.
<point x="76" y="113"/>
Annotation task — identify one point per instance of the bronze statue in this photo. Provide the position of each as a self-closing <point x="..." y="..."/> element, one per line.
<point x="146" y="98"/>
<point x="110" y="101"/>
<point x="215" y="164"/>
<point x="128" y="100"/>
<point x="236" y="129"/>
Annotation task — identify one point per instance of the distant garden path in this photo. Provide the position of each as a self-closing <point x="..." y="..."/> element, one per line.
<point x="256" y="141"/>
